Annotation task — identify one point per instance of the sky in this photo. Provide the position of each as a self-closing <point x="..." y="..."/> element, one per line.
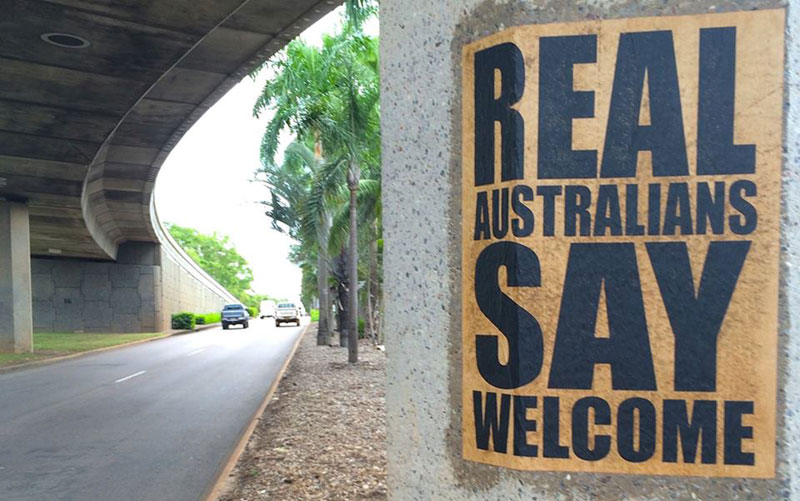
<point x="207" y="183"/>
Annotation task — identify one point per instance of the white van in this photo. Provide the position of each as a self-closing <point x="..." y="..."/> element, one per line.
<point x="267" y="309"/>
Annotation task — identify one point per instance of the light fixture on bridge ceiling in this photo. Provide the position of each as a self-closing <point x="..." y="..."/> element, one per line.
<point x="3" y="182"/>
<point x="66" y="40"/>
<point x="54" y="251"/>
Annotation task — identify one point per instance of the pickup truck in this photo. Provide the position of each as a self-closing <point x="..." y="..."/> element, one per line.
<point x="285" y="313"/>
<point x="233" y="314"/>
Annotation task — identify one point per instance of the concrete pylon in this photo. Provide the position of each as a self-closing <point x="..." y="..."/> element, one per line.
<point x="16" y="318"/>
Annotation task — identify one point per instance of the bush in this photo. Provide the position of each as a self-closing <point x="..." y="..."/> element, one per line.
<point x="314" y="315"/>
<point x="208" y="318"/>
<point x="362" y="324"/>
<point x="213" y="318"/>
<point x="183" y="321"/>
<point x="252" y="311"/>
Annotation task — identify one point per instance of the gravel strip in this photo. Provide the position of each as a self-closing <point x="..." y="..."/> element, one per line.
<point x="323" y="434"/>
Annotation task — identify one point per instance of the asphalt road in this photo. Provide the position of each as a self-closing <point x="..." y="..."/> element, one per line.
<point x="154" y="421"/>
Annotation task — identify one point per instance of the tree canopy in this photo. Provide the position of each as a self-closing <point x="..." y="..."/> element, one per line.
<point x="326" y="191"/>
<point x="217" y="257"/>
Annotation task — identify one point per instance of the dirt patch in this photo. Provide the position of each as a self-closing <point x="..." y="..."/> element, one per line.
<point x="323" y="434"/>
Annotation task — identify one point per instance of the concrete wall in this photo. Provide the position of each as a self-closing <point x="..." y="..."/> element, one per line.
<point x="420" y="56"/>
<point x="71" y="295"/>
<point x="138" y="293"/>
<point x="182" y="291"/>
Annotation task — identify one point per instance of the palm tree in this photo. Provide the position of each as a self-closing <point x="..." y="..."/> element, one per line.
<point x="354" y="74"/>
<point x="298" y="98"/>
<point x="330" y="95"/>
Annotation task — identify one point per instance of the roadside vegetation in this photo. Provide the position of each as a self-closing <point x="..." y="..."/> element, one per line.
<point x="217" y="257"/>
<point x="325" y="189"/>
<point x="56" y="344"/>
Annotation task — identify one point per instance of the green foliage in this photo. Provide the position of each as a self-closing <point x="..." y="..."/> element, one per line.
<point x="208" y="318"/>
<point x="252" y="311"/>
<point x="314" y="315"/>
<point x="183" y="321"/>
<point x="362" y="325"/>
<point x="328" y="99"/>
<point x="217" y="257"/>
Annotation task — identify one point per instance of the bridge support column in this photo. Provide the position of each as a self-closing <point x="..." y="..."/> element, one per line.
<point x="16" y="318"/>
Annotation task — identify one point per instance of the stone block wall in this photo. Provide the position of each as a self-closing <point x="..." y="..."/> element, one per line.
<point x="72" y="295"/>
<point x="138" y="293"/>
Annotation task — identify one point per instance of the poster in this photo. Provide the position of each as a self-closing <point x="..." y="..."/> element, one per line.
<point x="620" y="247"/>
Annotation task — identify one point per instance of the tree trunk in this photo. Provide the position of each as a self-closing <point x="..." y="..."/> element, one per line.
<point x="341" y="319"/>
<point x="352" y="265"/>
<point x="323" y="277"/>
<point x="323" y="328"/>
<point x="372" y="287"/>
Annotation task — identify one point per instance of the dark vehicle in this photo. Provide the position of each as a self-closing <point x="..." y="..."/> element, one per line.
<point x="233" y="314"/>
<point x="285" y="313"/>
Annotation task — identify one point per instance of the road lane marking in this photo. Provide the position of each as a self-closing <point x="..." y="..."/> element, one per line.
<point x="195" y="352"/>
<point x="130" y="377"/>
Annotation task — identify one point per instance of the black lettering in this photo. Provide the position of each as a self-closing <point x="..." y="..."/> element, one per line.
<point x="522" y="331"/>
<point x="643" y="55"/>
<point x="507" y="58"/>
<point x="520" y="194"/>
<point x="716" y="153"/>
<point x="696" y="318"/>
<point x="577" y="350"/>
<point x="500" y="213"/>
<point x="482" y="229"/>
<point x="549" y="194"/>
<point x="677" y="424"/>
<point x="580" y="428"/>
<point x="654" y="209"/>
<point x="678" y="212"/>
<point x="577" y="200"/>
<point x="607" y="213"/>
<point x="646" y="432"/>
<point x="559" y="104"/>
<point x="711" y="208"/>
<point x="735" y="432"/>
<point x="632" y="226"/>
<point x="552" y="430"/>
<point x="747" y="211"/>
<point x="523" y="425"/>
<point x="487" y="423"/>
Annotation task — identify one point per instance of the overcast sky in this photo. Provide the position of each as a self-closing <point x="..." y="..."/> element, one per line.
<point x="206" y="182"/>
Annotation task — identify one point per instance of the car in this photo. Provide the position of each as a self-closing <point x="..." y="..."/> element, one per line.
<point x="235" y="314"/>
<point x="285" y="313"/>
<point x="267" y="309"/>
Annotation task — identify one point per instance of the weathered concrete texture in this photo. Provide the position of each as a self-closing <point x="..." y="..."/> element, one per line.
<point x="16" y="324"/>
<point x="420" y="57"/>
<point x="182" y="291"/>
<point x="73" y="295"/>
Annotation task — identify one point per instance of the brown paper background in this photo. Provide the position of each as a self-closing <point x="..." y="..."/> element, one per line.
<point x="747" y="342"/>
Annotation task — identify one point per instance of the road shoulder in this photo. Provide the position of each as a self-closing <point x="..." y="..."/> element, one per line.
<point x="322" y="436"/>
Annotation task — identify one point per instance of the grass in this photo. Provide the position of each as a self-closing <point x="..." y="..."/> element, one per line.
<point x="74" y="343"/>
<point x="54" y="344"/>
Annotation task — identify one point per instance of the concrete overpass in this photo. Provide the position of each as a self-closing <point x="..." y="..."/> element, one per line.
<point x="93" y="97"/>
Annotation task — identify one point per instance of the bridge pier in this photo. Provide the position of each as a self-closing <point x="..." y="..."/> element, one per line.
<point x="16" y="318"/>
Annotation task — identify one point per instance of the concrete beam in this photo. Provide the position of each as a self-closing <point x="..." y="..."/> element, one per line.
<point x="16" y="318"/>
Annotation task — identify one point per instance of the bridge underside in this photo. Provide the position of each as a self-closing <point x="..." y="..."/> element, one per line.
<point x="87" y="120"/>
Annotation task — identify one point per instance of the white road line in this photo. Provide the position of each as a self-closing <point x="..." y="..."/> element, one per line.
<point x="130" y="377"/>
<point x="195" y="352"/>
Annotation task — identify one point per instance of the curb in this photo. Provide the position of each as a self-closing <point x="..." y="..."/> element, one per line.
<point x="215" y="488"/>
<point x="48" y="361"/>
